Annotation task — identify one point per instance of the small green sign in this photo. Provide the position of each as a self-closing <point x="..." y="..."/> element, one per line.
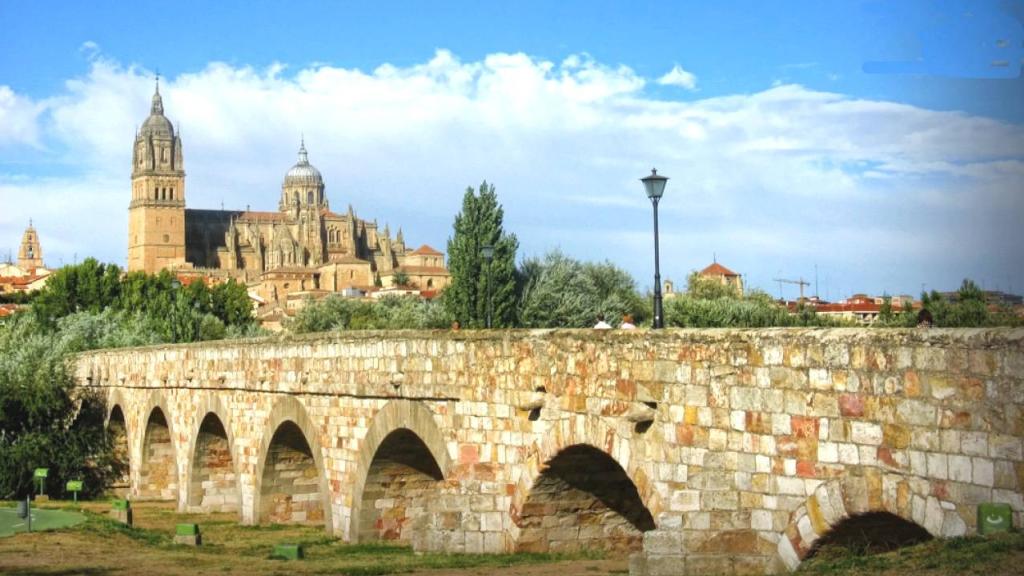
<point x="186" y="530"/>
<point x="288" y="551"/>
<point x="122" y="505"/>
<point x="994" y="518"/>
<point x="41" y="473"/>
<point x="74" y="486"/>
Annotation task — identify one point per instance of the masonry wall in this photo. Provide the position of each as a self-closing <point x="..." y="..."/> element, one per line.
<point x="743" y="446"/>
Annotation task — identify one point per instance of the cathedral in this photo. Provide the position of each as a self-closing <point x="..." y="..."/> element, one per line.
<point x="301" y="247"/>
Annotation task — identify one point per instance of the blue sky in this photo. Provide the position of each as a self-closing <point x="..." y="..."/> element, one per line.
<point x="877" y="141"/>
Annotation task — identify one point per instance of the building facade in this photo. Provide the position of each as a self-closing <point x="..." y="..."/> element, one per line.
<point x="30" y="272"/>
<point x="302" y="246"/>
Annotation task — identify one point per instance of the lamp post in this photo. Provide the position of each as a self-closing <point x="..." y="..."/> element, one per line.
<point x="487" y="252"/>
<point x="655" y="187"/>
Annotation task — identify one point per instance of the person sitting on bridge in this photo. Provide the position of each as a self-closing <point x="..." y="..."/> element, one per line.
<point x="601" y="324"/>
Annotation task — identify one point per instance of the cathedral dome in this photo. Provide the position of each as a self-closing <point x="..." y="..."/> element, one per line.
<point x="303" y="173"/>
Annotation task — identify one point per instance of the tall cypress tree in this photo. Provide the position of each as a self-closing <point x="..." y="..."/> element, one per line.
<point x="479" y="224"/>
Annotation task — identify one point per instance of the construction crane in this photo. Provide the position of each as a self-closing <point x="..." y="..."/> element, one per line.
<point x="801" y="282"/>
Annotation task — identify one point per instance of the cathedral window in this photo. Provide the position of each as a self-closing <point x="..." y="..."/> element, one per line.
<point x="430" y="283"/>
<point x="167" y="239"/>
<point x="309" y="197"/>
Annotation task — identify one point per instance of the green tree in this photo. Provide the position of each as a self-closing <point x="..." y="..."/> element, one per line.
<point x="44" y="421"/>
<point x="560" y="292"/>
<point x="87" y="286"/>
<point x="704" y="288"/>
<point x="479" y="224"/>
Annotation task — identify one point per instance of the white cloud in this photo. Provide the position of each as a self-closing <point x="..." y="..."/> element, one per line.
<point x="679" y="77"/>
<point x="18" y="119"/>
<point x="776" y="180"/>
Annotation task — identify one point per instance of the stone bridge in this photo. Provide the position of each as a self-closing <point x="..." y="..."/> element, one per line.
<point x="695" y="450"/>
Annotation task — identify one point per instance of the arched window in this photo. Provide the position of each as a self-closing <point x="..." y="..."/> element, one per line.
<point x="295" y="198"/>
<point x="430" y="283"/>
<point x="309" y="197"/>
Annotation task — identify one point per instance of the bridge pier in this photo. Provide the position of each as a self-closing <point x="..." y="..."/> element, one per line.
<point x="693" y="451"/>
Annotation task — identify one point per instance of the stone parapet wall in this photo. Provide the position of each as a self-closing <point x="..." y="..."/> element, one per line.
<point x="744" y="446"/>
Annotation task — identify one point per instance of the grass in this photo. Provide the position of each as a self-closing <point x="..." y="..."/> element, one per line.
<point x="995" y="555"/>
<point x="101" y="546"/>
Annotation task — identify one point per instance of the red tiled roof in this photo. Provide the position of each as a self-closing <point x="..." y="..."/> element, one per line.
<point x="21" y="280"/>
<point x="425" y="250"/>
<point x="717" y="269"/>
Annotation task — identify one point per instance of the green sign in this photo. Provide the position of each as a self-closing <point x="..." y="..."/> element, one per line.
<point x="288" y="551"/>
<point x="122" y="505"/>
<point x="41" y="473"/>
<point x="74" y="486"/>
<point x="187" y="530"/>
<point x="994" y="518"/>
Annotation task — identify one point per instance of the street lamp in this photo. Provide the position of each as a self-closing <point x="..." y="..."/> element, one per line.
<point x="655" y="187"/>
<point x="487" y="252"/>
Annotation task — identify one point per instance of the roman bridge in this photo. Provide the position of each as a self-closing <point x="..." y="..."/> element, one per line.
<point x="729" y="451"/>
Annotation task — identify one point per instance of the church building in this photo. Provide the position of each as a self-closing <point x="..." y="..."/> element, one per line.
<point x="303" y="246"/>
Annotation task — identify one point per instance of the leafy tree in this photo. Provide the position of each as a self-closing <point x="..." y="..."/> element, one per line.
<point x="389" y="313"/>
<point x="44" y="421"/>
<point x="479" y="224"/>
<point x="559" y="291"/>
<point x="401" y="279"/>
<point x="87" y="286"/>
<point x="704" y="288"/>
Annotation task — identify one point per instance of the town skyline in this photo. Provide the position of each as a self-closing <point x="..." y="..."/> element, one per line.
<point x="888" y="183"/>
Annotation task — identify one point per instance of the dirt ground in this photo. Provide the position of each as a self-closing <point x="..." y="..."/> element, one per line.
<point x="100" y="547"/>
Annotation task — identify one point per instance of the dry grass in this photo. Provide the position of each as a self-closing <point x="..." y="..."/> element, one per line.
<point x="101" y="547"/>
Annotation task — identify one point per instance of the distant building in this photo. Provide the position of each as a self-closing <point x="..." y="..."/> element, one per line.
<point x="30" y="273"/>
<point x="726" y="277"/>
<point x="859" y="307"/>
<point x="302" y="247"/>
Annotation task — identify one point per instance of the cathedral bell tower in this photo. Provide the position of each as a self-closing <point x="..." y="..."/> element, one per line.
<point x="156" y="215"/>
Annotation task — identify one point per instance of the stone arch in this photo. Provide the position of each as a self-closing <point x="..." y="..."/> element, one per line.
<point x="853" y="499"/>
<point x="594" y="442"/>
<point x="404" y="442"/>
<point x="582" y="500"/>
<point x="117" y="426"/>
<point x="297" y="454"/>
<point x="213" y="474"/>
<point x="158" y="462"/>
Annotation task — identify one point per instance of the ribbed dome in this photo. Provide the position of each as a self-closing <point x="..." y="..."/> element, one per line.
<point x="303" y="173"/>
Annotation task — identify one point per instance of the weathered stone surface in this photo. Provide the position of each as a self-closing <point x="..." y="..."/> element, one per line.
<point x="761" y="440"/>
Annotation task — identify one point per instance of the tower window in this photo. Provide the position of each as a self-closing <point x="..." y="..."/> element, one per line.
<point x="309" y="197"/>
<point x="167" y="239"/>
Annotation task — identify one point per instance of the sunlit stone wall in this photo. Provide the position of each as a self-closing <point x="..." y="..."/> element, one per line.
<point x="742" y="446"/>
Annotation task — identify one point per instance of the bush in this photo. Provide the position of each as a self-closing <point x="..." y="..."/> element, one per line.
<point x="389" y="313"/>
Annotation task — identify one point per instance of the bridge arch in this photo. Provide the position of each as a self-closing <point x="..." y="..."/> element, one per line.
<point x="213" y="474"/>
<point x="581" y="472"/>
<point x="402" y="459"/>
<point x="844" y="504"/>
<point x="290" y="478"/>
<point x="118" y="431"/>
<point x="158" y="461"/>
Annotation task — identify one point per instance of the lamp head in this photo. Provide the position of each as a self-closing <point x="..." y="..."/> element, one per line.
<point x="654" y="184"/>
